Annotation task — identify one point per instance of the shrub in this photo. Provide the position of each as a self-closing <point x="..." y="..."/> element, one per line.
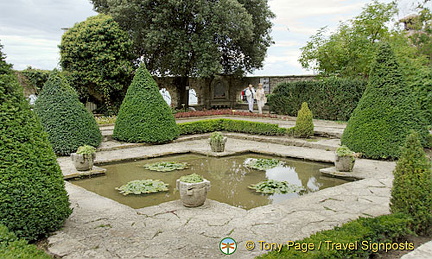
<point x="386" y="112"/>
<point x="329" y="98"/>
<point x="304" y="127"/>
<point x="249" y="127"/>
<point x="412" y="185"/>
<point x="362" y="233"/>
<point x="144" y="115"/>
<point x="13" y="248"/>
<point x="36" y="77"/>
<point x="33" y="200"/>
<point x="64" y="117"/>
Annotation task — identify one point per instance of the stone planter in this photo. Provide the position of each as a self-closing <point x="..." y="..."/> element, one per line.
<point x="193" y="194"/>
<point x="344" y="163"/>
<point x="218" y="146"/>
<point x="83" y="162"/>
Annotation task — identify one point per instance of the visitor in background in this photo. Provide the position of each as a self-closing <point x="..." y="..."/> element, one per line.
<point x="260" y="97"/>
<point x="250" y="96"/>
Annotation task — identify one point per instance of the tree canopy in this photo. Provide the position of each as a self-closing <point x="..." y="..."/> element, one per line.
<point x="195" y="37"/>
<point x="97" y="56"/>
<point x="351" y="49"/>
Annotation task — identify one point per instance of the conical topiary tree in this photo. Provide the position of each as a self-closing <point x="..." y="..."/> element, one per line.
<point x="33" y="200"/>
<point x="412" y="185"/>
<point x="144" y="116"/>
<point x="68" y="123"/>
<point x="386" y="112"/>
<point x="304" y="127"/>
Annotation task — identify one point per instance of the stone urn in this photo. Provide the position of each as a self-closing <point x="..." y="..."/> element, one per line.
<point x="345" y="159"/>
<point x="217" y="142"/>
<point x="83" y="162"/>
<point x="193" y="194"/>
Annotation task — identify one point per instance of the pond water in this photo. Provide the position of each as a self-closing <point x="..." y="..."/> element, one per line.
<point x="228" y="176"/>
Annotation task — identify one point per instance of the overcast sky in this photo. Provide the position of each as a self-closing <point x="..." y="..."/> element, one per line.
<point x="30" y="30"/>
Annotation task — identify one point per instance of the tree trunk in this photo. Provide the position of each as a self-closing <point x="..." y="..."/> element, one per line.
<point x="182" y="93"/>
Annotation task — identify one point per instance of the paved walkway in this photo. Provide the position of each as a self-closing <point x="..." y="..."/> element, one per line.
<point x="102" y="228"/>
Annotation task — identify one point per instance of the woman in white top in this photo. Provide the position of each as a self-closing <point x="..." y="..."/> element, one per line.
<point x="260" y="97"/>
<point x="250" y="96"/>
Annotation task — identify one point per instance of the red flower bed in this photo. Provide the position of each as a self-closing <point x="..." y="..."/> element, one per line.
<point x="221" y="112"/>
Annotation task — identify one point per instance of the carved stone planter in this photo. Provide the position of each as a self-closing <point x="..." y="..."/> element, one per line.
<point x="217" y="146"/>
<point x="344" y="163"/>
<point x="83" y="162"/>
<point x="193" y="194"/>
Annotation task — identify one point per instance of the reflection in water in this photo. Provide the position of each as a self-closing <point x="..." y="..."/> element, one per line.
<point x="228" y="176"/>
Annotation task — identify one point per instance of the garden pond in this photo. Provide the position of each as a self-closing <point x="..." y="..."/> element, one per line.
<point x="229" y="179"/>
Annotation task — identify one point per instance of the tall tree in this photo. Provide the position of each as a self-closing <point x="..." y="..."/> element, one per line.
<point x="187" y="38"/>
<point x="97" y="56"/>
<point x="350" y="50"/>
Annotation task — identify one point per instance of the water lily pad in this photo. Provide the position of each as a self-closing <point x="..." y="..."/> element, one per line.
<point x="262" y="163"/>
<point x="166" y="166"/>
<point x="143" y="186"/>
<point x="274" y="186"/>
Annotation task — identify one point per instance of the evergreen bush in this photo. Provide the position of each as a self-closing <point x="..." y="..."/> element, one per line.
<point x="412" y="185"/>
<point x="330" y="98"/>
<point x="304" y="127"/>
<point x="386" y="112"/>
<point x="144" y="115"/>
<point x="33" y="200"/>
<point x="13" y="248"/>
<point x="68" y="123"/>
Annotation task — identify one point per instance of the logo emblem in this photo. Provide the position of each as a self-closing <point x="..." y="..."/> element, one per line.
<point x="228" y="246"/>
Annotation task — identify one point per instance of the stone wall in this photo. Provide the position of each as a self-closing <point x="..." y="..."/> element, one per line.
<point x="224" y="91"/>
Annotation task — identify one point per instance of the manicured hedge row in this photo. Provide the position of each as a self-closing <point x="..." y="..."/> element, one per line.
<point x="12" y="247"/>
<point x="365" y="235"/>
<point x="328" y="99"/>
<point x="249" y="127"/>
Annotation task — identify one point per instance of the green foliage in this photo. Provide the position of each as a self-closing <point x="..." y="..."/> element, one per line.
<point x="330" y="98"/>
<point x="5" y="68"/>
<point x="363" y="232"/>
<point x="166" y="166"/>
<point x="103" y="120"/>
<point x="191" y="178"/>
<point x="144" y="115"/>
<point x="273" y="186"/>
<point x="216" y="137"/>
<point x="386" y="112"/>
<point x="304" y="127"/>
<point x="33" y="200"/>
<point x="67" y="121"/>
<point x="86" y="150"/>
<point x="97" y="55"/>
<point x="249" y="127"/>
<point x="350" y="50"/>
<point x="36" y="77"/>
<point x="143" y="186"/>
<point x="344" y="151"/>
<point x="262" y="163"/>
<point x="412" y="184"/>
<point x="13" y="248"/>
<point x="191" y="38"/>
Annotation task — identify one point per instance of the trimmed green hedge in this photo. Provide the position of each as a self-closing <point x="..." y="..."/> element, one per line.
<point x="13" y="248"/>
<point x="365" y="232"/>
<point x="68" y="123"/>
<point x="249" y="127"/>
<point x="386" y="113"/>
<point x="330" y="99"/>
<point x="412" y="185"/>
<point x="33" y="200"/>
<point x="144" y="115"/>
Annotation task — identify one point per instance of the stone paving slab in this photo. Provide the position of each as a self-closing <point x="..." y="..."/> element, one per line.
<point x="102" y="228"/>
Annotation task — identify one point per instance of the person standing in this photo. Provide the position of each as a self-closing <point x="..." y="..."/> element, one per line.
<point x="250" y="96"/>
<point x="260" y="97"/>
